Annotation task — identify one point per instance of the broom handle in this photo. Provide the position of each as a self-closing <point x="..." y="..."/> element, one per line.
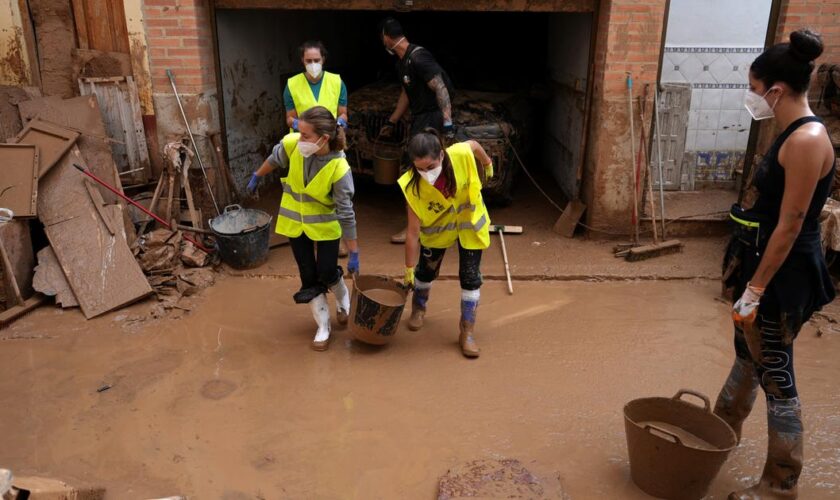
<point x="507" y="267"/>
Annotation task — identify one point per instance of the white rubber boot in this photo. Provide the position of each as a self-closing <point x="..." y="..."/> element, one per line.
<point x="342" y="302"/>
<point x="321" y="313"/>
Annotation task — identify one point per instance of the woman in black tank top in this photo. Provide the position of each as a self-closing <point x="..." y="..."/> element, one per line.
<point x="774" y="264"/>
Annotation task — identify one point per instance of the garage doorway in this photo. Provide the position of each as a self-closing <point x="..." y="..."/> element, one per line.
<point x="521" y="82"/>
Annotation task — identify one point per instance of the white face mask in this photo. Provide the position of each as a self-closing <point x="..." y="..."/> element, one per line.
<point x="308" y="149"/>
<point x="391" y="50"/>
<point x="314" y="69"/>
<point x="432" y="174"/>
<point x="758" y="107"/>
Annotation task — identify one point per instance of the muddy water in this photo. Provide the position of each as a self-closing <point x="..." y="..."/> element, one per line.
<point x="686" y="438"/>
<point x="388" y="298"/>
<point x="230" y="401"/>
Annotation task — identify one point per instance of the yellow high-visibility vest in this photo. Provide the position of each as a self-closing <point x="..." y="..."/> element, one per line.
<point x="309" y="208"/>
<point x="304" y="98"/>
<point x="444" y="220"/>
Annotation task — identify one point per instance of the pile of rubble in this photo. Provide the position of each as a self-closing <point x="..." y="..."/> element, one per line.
<point x="66" y="230"/>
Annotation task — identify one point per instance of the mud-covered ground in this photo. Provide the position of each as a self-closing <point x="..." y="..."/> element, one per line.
<point x="230" y="402"/>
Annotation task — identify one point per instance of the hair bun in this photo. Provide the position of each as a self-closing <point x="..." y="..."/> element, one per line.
<point x="806" y="45"/>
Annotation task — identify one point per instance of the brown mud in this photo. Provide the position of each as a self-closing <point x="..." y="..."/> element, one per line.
<point x="230" y="401"/>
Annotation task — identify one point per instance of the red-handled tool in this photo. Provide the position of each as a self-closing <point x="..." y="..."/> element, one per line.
<point x="139" y="206"/>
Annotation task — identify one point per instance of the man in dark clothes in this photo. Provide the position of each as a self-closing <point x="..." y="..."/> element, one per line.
<point x="426" y="88"/>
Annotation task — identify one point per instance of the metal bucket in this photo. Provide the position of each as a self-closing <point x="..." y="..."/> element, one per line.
<point x="372" y="319"/>
<point x="386" y="162"/>
<point x="242" y="236"/>
<point x="676" y="448"/>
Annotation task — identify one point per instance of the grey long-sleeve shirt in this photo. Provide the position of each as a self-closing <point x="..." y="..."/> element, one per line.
<point x="342" y="191"/>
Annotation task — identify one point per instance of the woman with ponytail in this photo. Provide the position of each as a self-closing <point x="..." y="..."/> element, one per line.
<point x="774" y="265"/>
<point x="316" y="211"/>
<point x="443" y="193"/>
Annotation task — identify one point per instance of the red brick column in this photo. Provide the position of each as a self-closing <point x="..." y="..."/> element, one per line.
<point x="180" y="38"/>
<point x="629" y="39"/>
<point x="821" y="16"/>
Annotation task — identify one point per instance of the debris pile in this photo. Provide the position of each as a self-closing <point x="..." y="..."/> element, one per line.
<point x="65" y="226"/>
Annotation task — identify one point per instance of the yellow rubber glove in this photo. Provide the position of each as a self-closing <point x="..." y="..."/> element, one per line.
<point x="488" y="171"/>
<point x="408" y="281"/>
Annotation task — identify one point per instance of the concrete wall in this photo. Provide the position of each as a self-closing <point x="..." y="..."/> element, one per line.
<point x="256" y="59"/>
<point x="568" y="66"/>
<point x="715" y="62"/>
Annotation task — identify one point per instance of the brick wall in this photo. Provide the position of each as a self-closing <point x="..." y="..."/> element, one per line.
<point x="180" y="38"/>
<point x="629" y="40"/>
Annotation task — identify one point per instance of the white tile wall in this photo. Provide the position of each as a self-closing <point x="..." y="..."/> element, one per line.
<point x="717" y="119"/>
<point x="706" y="140"/>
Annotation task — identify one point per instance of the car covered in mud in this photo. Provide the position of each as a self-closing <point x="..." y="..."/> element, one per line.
<point x="486" y="117"/>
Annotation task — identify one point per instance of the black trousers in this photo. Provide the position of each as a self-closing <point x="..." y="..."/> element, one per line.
<point x="318" y="270"/>
<point x="469" y="266"/>
<point x="429" y="119"/>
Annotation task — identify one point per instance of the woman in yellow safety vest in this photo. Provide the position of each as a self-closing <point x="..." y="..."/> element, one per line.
<point x="443" y="191"/>
<point x="315" y="211"/>
<point x="314" y="87"/>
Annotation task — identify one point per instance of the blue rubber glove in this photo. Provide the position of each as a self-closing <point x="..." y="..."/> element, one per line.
<point x="295" y="124"/>
<point x="342" y="122"/>
<point x="253" y="183"/>
<point x="353" y="263"/>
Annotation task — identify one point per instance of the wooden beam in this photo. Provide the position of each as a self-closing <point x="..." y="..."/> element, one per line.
<point x="429" y="5"/>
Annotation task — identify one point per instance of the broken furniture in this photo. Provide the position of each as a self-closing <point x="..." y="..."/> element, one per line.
<point x="19" y="178"/>
<point x="53" y="142"/>
<point x="120" y="106"/>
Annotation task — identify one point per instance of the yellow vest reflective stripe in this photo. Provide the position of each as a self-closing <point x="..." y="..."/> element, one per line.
<point x="309" y="208"/>
<point x="462" y="218"/>
<point x="304" y="98"/>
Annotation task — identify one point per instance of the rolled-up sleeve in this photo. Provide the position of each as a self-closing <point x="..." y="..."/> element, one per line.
<point x="343" y="192"/>
<point x="279" y="159"/>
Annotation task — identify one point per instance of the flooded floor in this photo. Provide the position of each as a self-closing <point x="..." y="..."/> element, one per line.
<point x="230" y="401"/>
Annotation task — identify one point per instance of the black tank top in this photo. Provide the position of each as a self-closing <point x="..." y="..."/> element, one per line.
<point x="769" y="180"/>
<point x="802" y="284"/>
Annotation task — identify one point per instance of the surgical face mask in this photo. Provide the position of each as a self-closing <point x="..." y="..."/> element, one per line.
<point x="391" y="49"/>
<point x="308" y="149"/>
<point x="432" y="174"/>
<point x="314" y="69"/>
<point x="758" y="106"/>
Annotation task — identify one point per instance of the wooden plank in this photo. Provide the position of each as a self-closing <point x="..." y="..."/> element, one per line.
<point x="99" y="266"/>
<point x="568" y="221"/>
<point x="99" y="31"/>
<point x="19" y="178"/>
<point x="16" y="246"/>
<point x="13" y="291"/>
<point x="81" y="23"/>
<point x="81" y="114"/>
<point x="49" y="279"/>
<point x="13" y="313"/>
<point x="53" y="142"/>
<point x="89" y="63"/>
<point x="120" y="105"/>
<point x="99" y="204"/>
<point x="119" y="30"/>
